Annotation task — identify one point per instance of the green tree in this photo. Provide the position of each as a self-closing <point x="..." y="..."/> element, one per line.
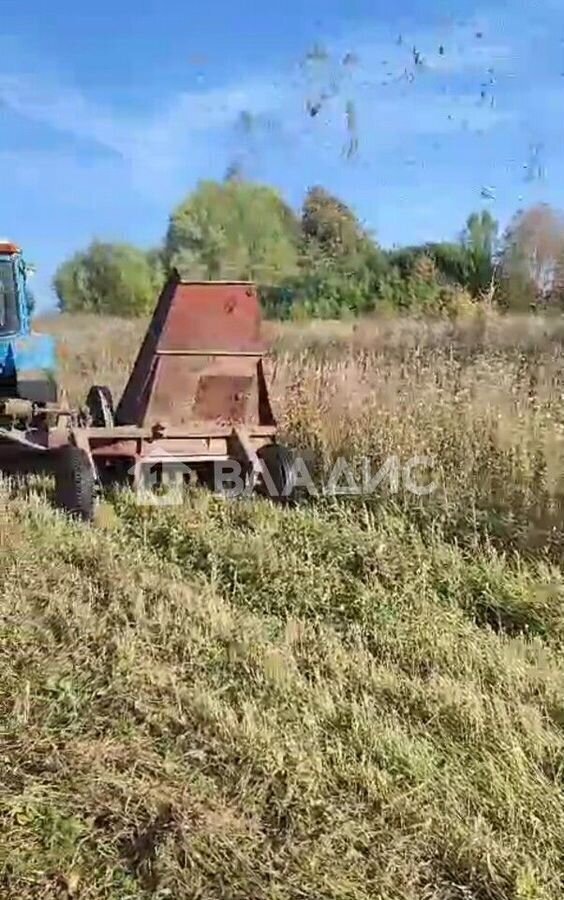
<point x="468" y="263"/>
<point x="330" y="228"/>
<point x="480" y="240"/>
<point x="340" y="263"/>
<point x="108" y="278"/>
<point x="233" y="230"/>
<point x="481" y="233"/>
<point x="421" y="289"/>
<point x="157" y="263"/>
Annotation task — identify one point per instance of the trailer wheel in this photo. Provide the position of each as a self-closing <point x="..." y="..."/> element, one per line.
<point x="75" y="483"/>
<point x="100" y="405"/>
<point x="279" y="462"/>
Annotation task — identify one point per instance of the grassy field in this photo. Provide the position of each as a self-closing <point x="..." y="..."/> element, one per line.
<point x="350" y="699"/>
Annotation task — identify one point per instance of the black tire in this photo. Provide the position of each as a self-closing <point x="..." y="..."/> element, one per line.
<point x="75" y="485"/>
<point x="279" y="462"/>
<point x="100" y="405"/>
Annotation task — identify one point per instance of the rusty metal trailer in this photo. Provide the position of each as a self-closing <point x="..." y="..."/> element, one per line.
<point x="196" y="398"/>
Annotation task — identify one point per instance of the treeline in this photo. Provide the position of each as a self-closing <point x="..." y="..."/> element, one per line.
<point x="322" y="262"/>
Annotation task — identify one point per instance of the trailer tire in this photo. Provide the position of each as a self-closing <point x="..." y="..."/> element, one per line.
<point x="75" y="485"/>
<point x="279" y="462"/>
<point x="100" y="406"/>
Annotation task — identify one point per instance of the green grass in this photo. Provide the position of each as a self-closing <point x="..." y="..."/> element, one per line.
<point x="235" y="700"/>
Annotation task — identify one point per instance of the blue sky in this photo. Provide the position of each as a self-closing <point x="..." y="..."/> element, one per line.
<point x="110" y="112"/>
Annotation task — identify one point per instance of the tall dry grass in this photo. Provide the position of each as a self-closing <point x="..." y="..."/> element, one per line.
<point x="482" y="398"/>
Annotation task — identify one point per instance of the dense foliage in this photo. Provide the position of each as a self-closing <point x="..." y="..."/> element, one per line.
<point x="233" y="230"/>
<point x="322" y="262"/>
<point x="108" y="278"/>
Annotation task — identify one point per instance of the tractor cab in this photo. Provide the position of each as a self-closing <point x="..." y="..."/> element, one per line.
<point x="27" y="360"/>
<point x="14" y="298"/>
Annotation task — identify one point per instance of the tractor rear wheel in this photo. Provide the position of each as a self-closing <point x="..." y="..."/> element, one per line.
<point x="100" y="406"/>
<point x="75" y="485"/>
<point x="279" y="462"/>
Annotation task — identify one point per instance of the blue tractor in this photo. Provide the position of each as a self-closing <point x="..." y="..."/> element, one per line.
<point x="29" y="396"/>
<point x="27" y="360"/>
<point x="35" y="420"/>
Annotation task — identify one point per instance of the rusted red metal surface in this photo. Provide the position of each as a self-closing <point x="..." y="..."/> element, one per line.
<point x="201" y="360"/>
<point x="213" y="316"/>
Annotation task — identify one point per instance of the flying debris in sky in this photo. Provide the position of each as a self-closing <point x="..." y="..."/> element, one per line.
<point x="534" y="169"/>
<point x="486" y="88"/>
<point x="314" y="108"/>
<point x="316" y="54"/>
<point x="249" y="132"/>
<point x="327" y="78"/>
<point x="488" y="193"/>
<point x="331" y="80"/>
<point x="417" y="57"/>
<point x="246" y="121"/>
<point x="351" y="120"/>
<point x="350" y="59"/>
<point x="235" y="171"/>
